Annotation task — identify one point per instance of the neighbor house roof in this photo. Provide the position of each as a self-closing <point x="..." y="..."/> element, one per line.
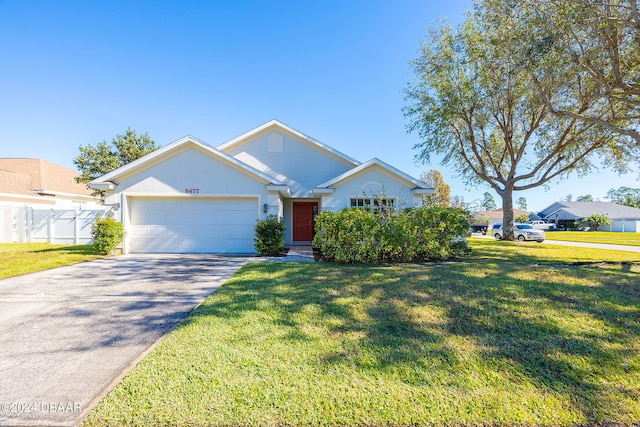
<point x="37" y="177"/>
<point x="498" y="213"/>
<point x="585" y="209"/>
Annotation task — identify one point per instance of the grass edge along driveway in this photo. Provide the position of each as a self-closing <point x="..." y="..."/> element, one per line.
<point x="518" y="334"/>
<point x="23" y="258"/>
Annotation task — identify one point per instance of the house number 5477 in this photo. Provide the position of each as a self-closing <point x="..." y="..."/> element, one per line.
<point x="192" y="190"/>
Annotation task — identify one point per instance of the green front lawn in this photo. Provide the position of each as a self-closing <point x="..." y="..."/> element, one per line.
<point x="514" y="335"/>
<point x="23" y="258"/>
<point x="632" y="239"/>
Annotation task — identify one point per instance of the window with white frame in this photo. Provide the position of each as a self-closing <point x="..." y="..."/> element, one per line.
<point x="373" y="204"/>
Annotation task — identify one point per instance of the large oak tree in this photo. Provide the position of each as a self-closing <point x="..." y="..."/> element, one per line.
<point x="474" y="103"/>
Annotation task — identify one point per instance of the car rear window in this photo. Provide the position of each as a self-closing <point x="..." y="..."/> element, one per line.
<point x="524" y="226"/>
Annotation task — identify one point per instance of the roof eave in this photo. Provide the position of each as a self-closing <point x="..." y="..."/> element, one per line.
<point x="102" y="185"/>
<point x="423" y="191"/>
<point x="319" y="191"/>
<point x="284" y="190"/>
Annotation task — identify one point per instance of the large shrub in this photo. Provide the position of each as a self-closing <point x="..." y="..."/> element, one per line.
<point x="596" y="220"/>
<point x="359" y="236"/>
<point x="269" y="238"/>
<point x="106" y="233"/>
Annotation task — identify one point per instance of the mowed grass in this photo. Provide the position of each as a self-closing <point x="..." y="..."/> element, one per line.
<point x="23" y="258"/>
<point x="519" y="334"/>
<point x="614" y="238"/>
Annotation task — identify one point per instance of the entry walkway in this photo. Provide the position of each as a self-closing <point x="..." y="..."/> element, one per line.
<point x="299" y="253"/>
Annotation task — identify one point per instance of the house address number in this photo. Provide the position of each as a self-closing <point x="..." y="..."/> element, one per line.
<point x="192" y="190"/>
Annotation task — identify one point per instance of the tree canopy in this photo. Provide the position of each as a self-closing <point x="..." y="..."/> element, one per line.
<point x="591" y="48"/>
<point x="585" y="198"/>
<point x="442" y="194"/>
<point x="93" y="162"/>
<point x="625" y="196"/>
<point x="488" y="202"/>
<point x="475" y="102"/>
<point x="522" y="203"/>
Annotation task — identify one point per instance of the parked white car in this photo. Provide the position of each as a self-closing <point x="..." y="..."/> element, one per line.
<point x="521" y="232"/>
<point x="542" y="225"/>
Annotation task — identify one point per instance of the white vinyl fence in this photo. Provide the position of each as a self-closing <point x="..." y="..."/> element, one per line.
<point x="59" y="226"/>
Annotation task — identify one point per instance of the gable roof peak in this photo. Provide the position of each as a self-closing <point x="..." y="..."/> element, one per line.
<point x="274" y="123"/>
<point x="175" y="145"/>
<point x="381" y="164"/>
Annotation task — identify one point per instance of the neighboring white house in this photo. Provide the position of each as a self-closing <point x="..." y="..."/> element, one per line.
<point x="191" y="197"/>
<point x="623" y="218"/>
<point x="39" y="200"/>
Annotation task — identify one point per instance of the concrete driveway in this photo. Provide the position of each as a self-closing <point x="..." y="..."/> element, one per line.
<point x="68" y="335"/>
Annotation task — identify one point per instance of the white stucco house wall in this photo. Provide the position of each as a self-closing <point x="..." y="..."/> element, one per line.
<point x="189" y="197"/>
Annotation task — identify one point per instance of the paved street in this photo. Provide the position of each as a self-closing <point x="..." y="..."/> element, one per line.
<point x="626" y="248"/>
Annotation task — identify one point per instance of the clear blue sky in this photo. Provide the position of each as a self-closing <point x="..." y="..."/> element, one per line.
<point x="79" y="72"/>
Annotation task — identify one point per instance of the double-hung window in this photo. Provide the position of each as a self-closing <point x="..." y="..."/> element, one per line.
<point x="373" y="204"/>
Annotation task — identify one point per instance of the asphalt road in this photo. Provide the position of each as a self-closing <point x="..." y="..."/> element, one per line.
<point x="68" y="335"/>
<point x="626" y="248"/>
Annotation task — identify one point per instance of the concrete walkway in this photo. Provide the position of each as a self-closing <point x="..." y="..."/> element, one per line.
<point x="68" y="335"/>
<point x="299" y="253"/>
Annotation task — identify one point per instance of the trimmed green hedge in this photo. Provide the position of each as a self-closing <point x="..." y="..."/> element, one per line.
<point x="359" y="236"/>
<point x="269" y="238"/>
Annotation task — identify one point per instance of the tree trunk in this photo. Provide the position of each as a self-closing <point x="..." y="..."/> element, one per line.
<point x="507" y="213"/>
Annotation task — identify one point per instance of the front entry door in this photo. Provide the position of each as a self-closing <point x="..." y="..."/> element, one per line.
<point x="303" y="215"/>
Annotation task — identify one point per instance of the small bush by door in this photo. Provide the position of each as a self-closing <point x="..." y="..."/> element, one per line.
<point x="269" y="238"/>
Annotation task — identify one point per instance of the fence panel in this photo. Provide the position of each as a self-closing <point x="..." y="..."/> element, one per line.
<point x="39" y="225"/>
<point x="58" y="226"/>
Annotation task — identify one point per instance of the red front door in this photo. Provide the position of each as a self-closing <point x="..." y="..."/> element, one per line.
<point x="303" y="213"/>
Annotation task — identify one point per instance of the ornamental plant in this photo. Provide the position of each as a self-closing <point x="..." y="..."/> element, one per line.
<point x="269" y="238"/>
<point x="359" y="236"/>
<point x="596" y="220"/>
<point x="106" y="233"/>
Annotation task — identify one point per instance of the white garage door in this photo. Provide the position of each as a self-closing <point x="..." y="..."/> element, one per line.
<point x="175" y="225"/>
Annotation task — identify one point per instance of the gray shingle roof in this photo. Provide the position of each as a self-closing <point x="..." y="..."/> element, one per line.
<point x="584" y="209"/>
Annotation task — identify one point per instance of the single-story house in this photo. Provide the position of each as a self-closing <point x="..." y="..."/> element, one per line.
<point x="623" y="218"/>
<point x="189" y="197"/>
<point x="28" y="185"/>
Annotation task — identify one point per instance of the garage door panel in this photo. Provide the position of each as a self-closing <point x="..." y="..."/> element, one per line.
<point x="242" y="218"/>
<point x="193" y="225"/>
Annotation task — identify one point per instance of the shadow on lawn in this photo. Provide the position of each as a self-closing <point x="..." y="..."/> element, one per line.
<point x="72" y="249"/>
<point x="512" y="312"/>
